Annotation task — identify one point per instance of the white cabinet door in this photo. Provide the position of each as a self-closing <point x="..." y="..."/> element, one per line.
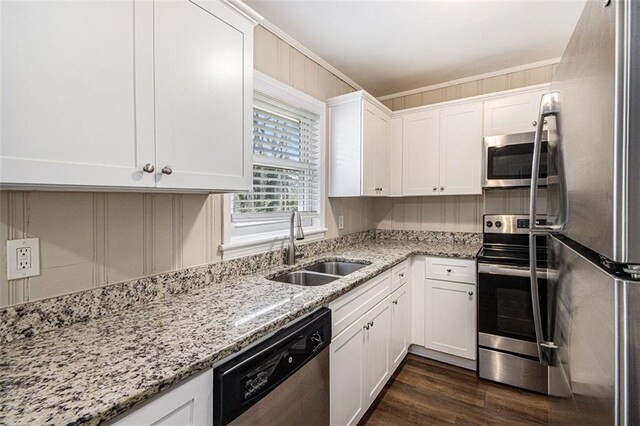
<point x="512" y="114"/>
<point x="370" y="135"/>
<point x="76" y="93"/>
<point x="395" y="155"/>
<point x="461" y="149"/>
<point x="383" y="154"/>
<point x="376" y="134"/>
<point x="451" y="318"/>
<point x="189" y="403"/>
<point x="418" y="298"/>
<point x="204" y="95"/>
<point x="347" y="397"/>
<point x="420" y="158"/>
<point x="377" y="339"/>
<point x="400" y="309"/>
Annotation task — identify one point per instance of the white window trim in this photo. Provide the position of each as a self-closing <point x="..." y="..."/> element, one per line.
<point x="243" y="246"/>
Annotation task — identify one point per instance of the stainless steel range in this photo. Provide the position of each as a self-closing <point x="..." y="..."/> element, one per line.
<point x="507" y="351"/>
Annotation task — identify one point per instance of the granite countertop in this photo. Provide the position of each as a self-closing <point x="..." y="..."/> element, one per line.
<point x="93" y="371"/>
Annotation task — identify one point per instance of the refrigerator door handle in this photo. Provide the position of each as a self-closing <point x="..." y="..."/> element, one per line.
<point x="549" y="107"/>
<point x="546" y="349"/>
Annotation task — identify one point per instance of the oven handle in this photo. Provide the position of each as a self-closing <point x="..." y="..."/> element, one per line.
<point x="509" y="271"/>
<point x="549" y="107"/>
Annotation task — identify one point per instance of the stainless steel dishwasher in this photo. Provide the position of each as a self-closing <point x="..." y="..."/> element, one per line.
<point x="282" y="381"/>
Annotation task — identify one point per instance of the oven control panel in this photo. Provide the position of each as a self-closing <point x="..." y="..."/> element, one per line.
<point x="509" y="223"/>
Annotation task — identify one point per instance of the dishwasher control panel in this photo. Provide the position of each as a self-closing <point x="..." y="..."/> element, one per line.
<point x="245" y="379"/>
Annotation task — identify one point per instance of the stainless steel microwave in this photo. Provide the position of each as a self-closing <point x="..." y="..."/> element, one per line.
<point x="507" y="160"/>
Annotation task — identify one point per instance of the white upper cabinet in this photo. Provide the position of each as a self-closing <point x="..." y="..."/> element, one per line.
<point x="203" y="81"/>
<point x="461" y="149"/>
<point x="442" y="151"/>
<point x="360" y="129"/>
<point x="512" y="113"/>
<point x="421" y="153"/>
<point x="75" y="100"/>
<point x="92" y="92"/>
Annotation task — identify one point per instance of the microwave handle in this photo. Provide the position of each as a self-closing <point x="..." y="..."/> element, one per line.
<point x="549" y="107"/>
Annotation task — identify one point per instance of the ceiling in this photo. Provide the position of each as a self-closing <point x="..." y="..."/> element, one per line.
<point x="393" y="45"/>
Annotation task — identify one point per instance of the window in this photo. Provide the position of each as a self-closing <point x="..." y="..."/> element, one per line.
<point x="287" y="168"/>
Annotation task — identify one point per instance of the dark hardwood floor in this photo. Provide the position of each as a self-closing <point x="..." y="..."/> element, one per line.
<point x="425" y="392"/>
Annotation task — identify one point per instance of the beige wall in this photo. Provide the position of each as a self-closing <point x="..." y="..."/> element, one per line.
<point x="94" y="239"/>
<point x="498" y="83"/>
<point x="451" y="213"/>
<point x="459" y="213"/>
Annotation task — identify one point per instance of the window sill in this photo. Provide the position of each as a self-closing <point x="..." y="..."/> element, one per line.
<point x="243" y="247"/>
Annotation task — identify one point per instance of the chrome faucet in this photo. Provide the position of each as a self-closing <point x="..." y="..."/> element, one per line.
<point x="297" y="234"/>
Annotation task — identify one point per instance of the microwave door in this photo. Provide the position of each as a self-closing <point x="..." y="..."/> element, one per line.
<point x="508" y="163"/>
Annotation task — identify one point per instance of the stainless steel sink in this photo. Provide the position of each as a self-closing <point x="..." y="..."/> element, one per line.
<point x="335" y="268"/>
<point x="305" y="278"/>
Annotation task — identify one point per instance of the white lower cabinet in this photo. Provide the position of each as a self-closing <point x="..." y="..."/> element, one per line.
<point x="451" y="318"/>
<point x="189" y="403"/>
<point x="400" y="316"/>
<point x="347" y="375"/>
<point x="377" y="336"/>
<point x="365" y="353"/>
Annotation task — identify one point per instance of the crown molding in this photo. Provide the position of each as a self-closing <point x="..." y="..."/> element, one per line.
<point x="245" y="10"/>
<point x="311" y="55"/>
<point x="471" y="78"/>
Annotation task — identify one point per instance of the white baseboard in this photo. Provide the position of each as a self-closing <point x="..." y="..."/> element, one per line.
<point x="469" y="364"/>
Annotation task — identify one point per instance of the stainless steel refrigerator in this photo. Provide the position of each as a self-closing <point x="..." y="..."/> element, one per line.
<point x="592" y="337"/>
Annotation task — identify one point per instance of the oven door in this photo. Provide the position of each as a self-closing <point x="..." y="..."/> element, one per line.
<point x="509" y="165"/>
<point x="505" y="311"/>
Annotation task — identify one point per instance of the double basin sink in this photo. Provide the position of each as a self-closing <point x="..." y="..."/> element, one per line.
<point x="320" y="273"/>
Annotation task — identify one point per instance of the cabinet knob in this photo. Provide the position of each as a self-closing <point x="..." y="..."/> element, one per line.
<point x="366" y="327"/>
<point x="401" y="274"/>
<point x="534" y="123"/>
<point x="448" y="271"/>
<point x="167" y="170"/>
<point x="470" y="293"/>
<point x="435" y="188"/>
<point x="148" y="168"/>
<point x="442" y="188"/>
<point x="371" y="323"/>
<point x="395" y="302"/>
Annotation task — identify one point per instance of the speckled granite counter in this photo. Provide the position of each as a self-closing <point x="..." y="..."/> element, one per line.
<point x="95" y="370"/>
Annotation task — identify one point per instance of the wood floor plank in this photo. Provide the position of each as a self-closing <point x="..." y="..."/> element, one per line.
<point x="426" y="392"/>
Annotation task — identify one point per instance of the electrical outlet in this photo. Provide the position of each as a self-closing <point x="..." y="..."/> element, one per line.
<point x="23" y="258"/>
<point x="340" y="222"/>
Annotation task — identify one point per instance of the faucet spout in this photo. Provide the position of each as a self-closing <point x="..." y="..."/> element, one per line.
<point x="295" y="233"/>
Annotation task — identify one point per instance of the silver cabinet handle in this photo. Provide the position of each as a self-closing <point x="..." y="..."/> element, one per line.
<point x="366" y="327"/>
<point x="435" y="188"/>
<point x="401" y="274"/>
<point x="395" y="302"/>
<point x="167" y="170"/>
<point x="470" y="293"/>
<point x="534" y="123"/>
<point x="442" y="188"/>
<point x="148" y="168"/>
<point x="371" y="323"/>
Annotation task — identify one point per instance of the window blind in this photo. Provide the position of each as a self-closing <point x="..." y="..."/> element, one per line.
<point x="286" y="163"/>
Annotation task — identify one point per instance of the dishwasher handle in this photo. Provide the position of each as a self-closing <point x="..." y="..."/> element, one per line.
<point x="245" y="379"/>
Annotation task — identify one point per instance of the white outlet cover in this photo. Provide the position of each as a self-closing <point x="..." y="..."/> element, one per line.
<point x="13" y="273"/>
<point x="340" y="222"/>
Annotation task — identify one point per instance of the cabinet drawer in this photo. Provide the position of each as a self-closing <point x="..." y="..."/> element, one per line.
<point x="399" y="275"/>
<point x="348" y="308"/>
<point x="446" y="269"/>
